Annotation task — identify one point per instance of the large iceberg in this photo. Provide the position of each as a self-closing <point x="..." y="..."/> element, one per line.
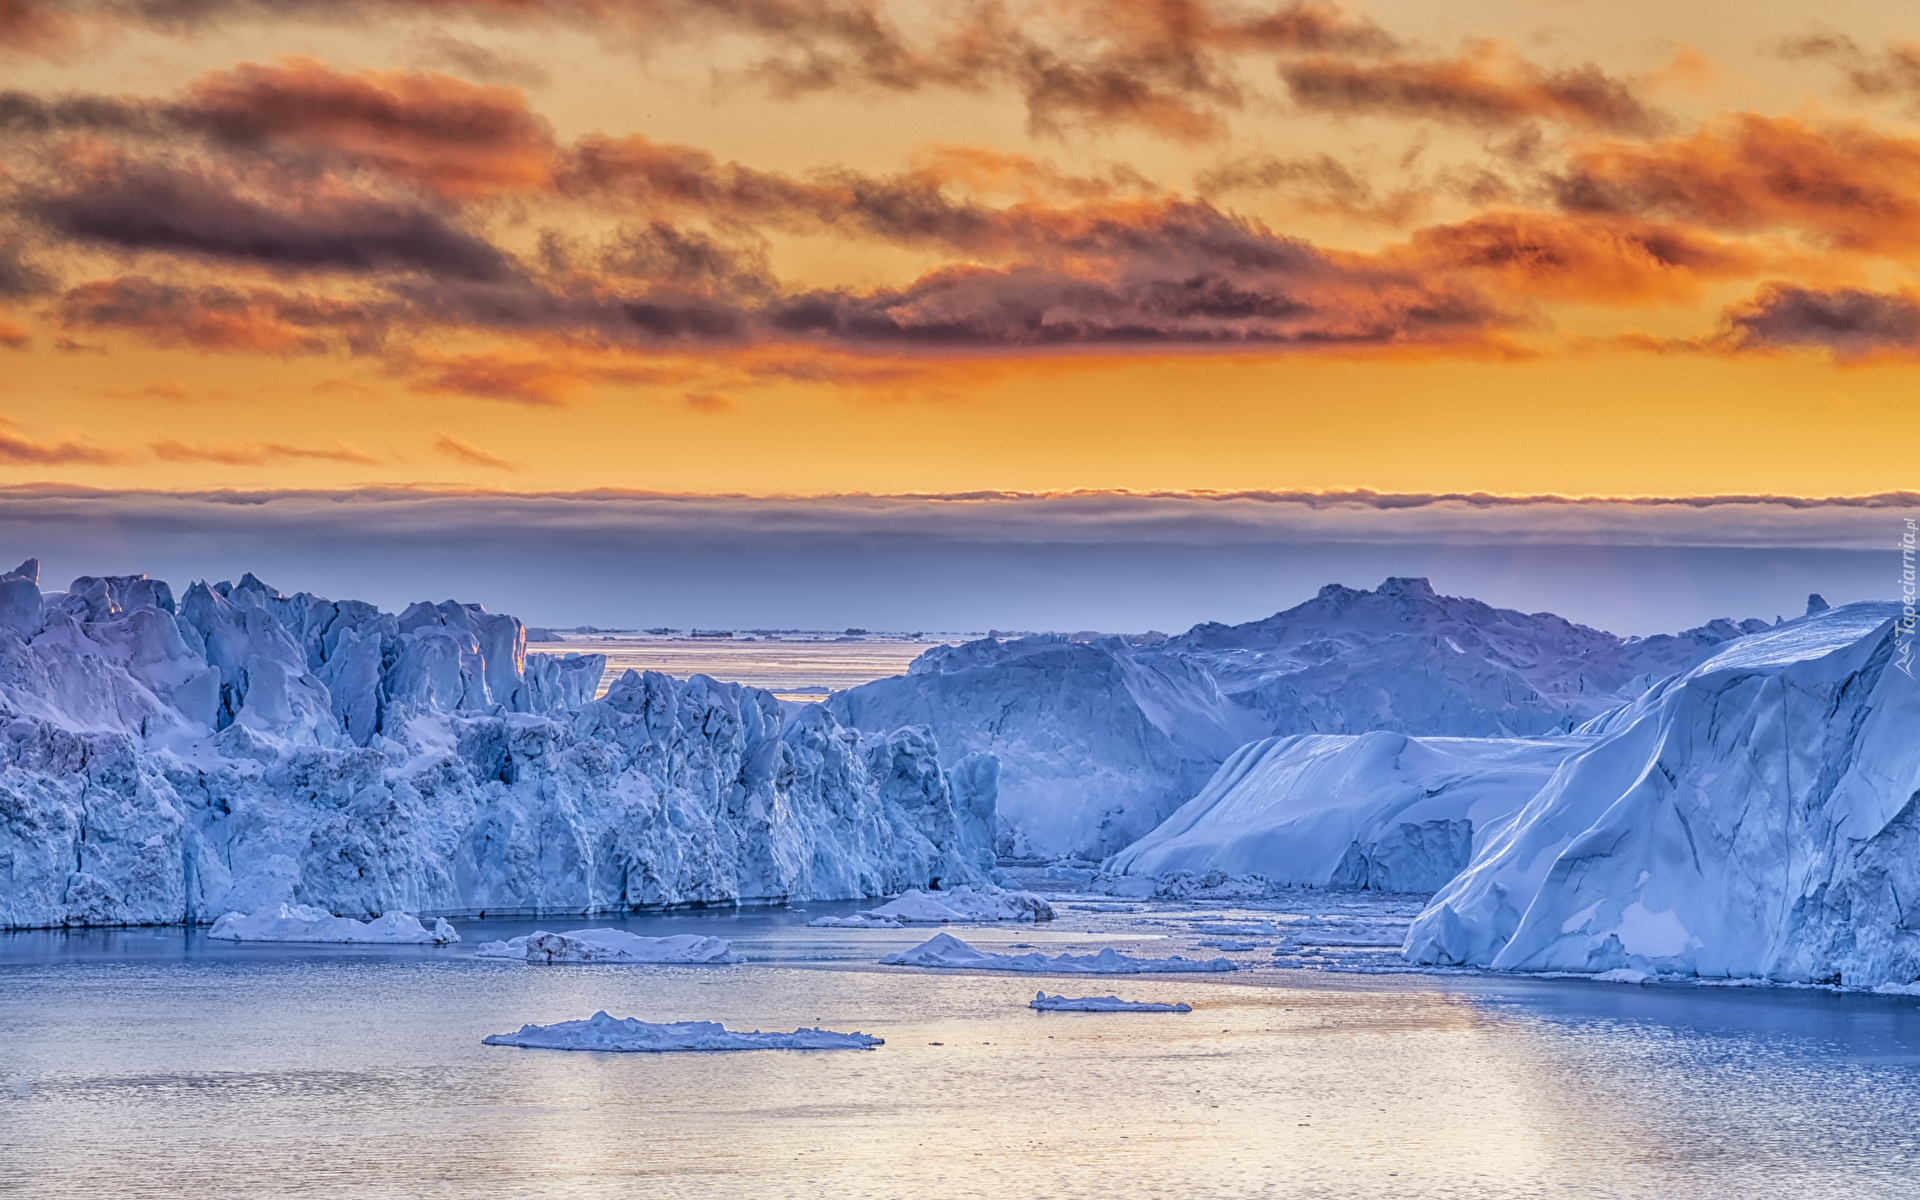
<point x="632" y="1036"/>
<point x="1379" y="811"/>
<point x="1098" y="741"/>
<point x="165" y="762"/>
<point x="1756" y="817"/>
<point x="299" y="923"/>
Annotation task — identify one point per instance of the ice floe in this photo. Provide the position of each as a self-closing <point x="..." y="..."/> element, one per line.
<point x="301" y="923"/>
<point x="628" y="1035"/>
<point x="1046" y="1003"/>
<point x="611" y="946"/>
<point x="945" y="950"/>
<point x="915" y="907"/>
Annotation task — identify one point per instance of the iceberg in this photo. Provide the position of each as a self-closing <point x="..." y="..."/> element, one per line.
<point x="632" y="1036"/>
<point x="610" y="946"/>
<point x="299" y="923"/>
<point x="1098" y="740"/>
<point x="167" y="761"/>
<point x="1755" y="817"/>
<point x="1046" y="1003"/>
<point x="945" y="950"/>
<point x="1375" y="811"/>
<point x="915" y="907"/>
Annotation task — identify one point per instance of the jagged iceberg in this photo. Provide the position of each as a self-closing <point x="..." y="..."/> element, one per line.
<point x="610" y="946"/>
<point x="1380" y="811"/>
<point x="166" y="762"/>
<point x="633" y="1036"/>
<point x="1098" y="741"/>
<point x="945" y="950"/>
<point x="916" y="907"/>
<point x="1757" y="816"/>
<point x="1046" y="1003"/>
<point x="299" y="923"/>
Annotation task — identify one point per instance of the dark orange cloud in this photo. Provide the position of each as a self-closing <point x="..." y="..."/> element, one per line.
<point x="17" y="448"/>
<point x="453" y="138"/>
<point x="1489" y="85"/>
<point x="1850" y="323"/>
<point x="1841" y="183"/>
<point x="259" y="319"/>
<point x="1892" y="72"/>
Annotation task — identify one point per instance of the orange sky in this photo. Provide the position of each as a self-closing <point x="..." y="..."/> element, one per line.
<point x="807" y="246"/>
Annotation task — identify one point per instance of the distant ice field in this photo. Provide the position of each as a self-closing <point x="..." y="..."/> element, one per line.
<point x="793" y="668"/>
<point x="156" y="1063"/>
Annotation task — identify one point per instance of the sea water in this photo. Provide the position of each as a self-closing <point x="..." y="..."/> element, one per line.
<point x="155" y="1063"/>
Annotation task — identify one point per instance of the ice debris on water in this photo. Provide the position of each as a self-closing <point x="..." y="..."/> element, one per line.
<point x="630" y="1035"/>
<point x="915" y="907"/>
<point x="302" y="923"/>
<point x="1046" y="1003"/>
<point x="611" y="946"/>
<point x="945" y="950"/>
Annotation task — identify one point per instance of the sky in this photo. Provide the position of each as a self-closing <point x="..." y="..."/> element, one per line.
<point x="365" y="260"/>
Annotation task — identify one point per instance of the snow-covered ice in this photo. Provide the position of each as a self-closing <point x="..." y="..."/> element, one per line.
<point x="1046" y="1003"/>
<point x="632" y="1036"/>
<point x="610" y="946"/>
<point x="172" y="761"/>
<point x="915" y="907"/>
<point x="1755" y="817"/>
<point x="945" y="950"/>
<point x="300" y="923"/>
<point x="1381" y="811"/>
<point x="1098" y="741"/>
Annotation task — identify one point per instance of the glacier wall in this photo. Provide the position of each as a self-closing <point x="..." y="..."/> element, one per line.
<point x="1755" y="817"/>
<point x="164" y="762"/>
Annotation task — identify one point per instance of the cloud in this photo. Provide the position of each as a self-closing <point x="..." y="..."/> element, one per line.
<point x="247" y="454"/>
<point x="1892" y="72"/>
<point x="1840" y="183"/>
<point x="487" y="64"/>
<point x="1488" y="86"/>
<point x="15" y="448"/>
<point x="1850" y="323"/>
<point x="464" y="451"/>
<point x="13" y="335"/>
<point x="710" y="403"/>
<point x="257" y="319"/>
<point x="276" y="222"/>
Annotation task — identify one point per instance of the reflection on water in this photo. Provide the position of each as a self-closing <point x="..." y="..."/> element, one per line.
<point x="156" y="1064"/>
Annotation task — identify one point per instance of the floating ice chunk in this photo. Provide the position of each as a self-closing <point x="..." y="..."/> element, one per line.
<point x="945" y="950"/>
<point x="1898" y="989"/>
<point x="631" y="1036"/>
<point x="299" y="923"/>
<point x="915" y="907"/>
<point x="1046" y="1003"/>
<point x="1622" y="975"/>
<point x="611" y="946"/>
<point x="1228" y="944"/>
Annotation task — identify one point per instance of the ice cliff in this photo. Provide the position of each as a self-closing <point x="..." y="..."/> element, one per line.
<point x="1381" y="811"/>
<point x="1098" y="741"/>
<point x="1757" y="816"/>
<point x="166" y="761"/>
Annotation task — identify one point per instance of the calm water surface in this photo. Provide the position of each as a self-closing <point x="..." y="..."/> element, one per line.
<point x="157" y="1064"/>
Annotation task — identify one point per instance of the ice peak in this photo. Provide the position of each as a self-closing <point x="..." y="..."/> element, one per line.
<point x="1816" y="603"/>
<point x="28" y="570"/>
<point x="1413" y="587"/>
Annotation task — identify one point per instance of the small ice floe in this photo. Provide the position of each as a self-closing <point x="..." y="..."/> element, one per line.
<point x="632" y="1036"/>
<point x="1227" y="944"/>
<point x="299" y="923"/>
<point x="1106" y="908"/>
<point x="610" y="946"/>
<point x="1623" y="975"/>
<point x="1046" y="1003"/>
<point x="915" y="907"/>
<point x="1898" y="989"/>
<point x="945" y="950"/>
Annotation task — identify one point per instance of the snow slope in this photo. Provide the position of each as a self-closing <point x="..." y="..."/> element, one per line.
<point x="1099" y="741"/>
<point x="1755" y="817"/>
<point x="164" y="762"/>
<point x="1381" y="811"/>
